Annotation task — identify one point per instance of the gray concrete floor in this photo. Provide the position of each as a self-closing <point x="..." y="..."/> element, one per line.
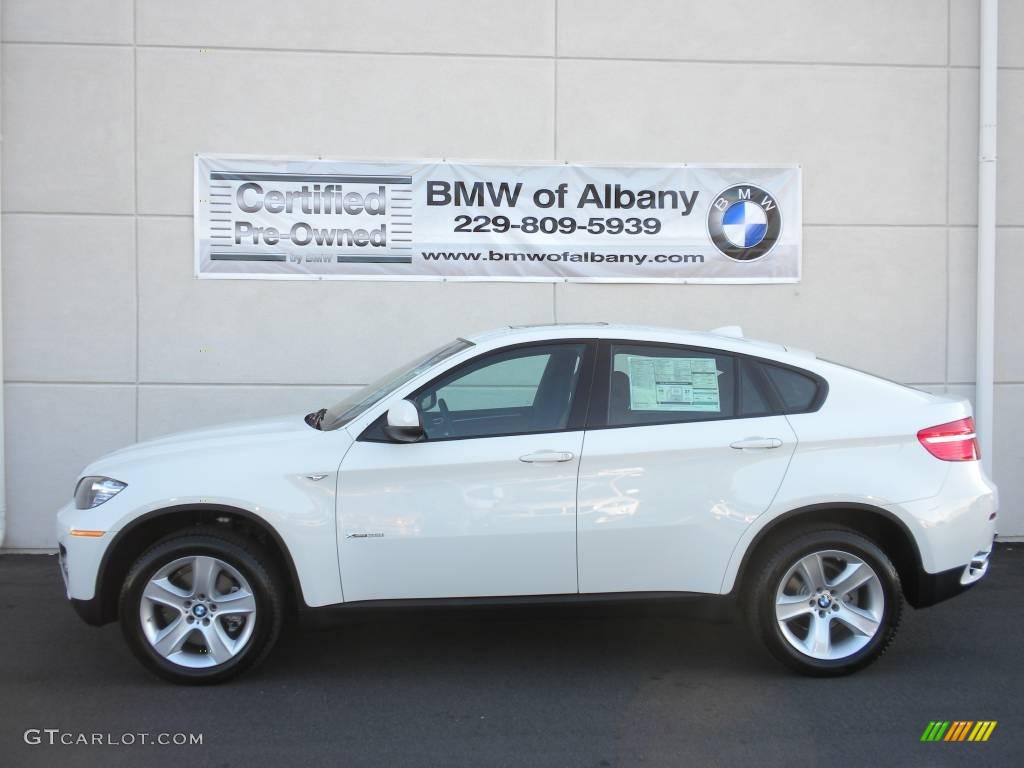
<point x="519" y="686"/>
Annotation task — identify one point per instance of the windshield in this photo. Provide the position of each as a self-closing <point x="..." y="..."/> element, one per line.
<point x="342" y="413"/>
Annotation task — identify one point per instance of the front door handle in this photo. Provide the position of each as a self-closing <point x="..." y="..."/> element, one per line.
<point x="757" y="443"/>
<point x="530" y="458"/>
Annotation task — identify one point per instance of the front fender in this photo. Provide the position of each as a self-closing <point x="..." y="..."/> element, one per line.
<point x="287" y="482"/>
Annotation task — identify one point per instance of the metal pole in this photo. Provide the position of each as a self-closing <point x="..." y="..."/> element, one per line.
<point x="3" y="462"/>
<point x="985" y="373"/>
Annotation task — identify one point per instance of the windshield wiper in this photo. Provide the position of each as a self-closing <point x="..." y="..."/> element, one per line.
<point x="314" y="419"/>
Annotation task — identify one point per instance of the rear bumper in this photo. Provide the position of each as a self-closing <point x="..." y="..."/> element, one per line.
<point x="952" y="527"/>
<point x="934" y="588"/>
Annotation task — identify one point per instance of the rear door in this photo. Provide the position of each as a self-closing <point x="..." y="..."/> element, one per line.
<point x="684" y="449"/>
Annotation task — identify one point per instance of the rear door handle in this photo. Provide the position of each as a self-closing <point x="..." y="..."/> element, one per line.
<point x="757" y="443"/>
<point x="530" y="458"/>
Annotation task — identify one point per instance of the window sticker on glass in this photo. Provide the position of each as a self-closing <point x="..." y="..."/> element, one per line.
<point x="673" y="383"/>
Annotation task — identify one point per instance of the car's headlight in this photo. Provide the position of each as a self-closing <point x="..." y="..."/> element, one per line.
<point x="93" y="491"/>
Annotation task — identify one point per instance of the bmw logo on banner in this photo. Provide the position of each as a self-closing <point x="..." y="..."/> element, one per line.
<point x="744" y="222"/>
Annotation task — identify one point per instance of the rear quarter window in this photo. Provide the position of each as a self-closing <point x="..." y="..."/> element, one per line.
<point x="798" y="392"/>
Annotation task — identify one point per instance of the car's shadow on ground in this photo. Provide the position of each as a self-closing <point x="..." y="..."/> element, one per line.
<point x="523" y="640"/>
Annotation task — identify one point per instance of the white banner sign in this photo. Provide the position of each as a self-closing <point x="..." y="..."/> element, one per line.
<point x="330" y="219"/>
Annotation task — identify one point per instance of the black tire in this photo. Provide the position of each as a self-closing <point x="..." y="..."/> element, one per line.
<point x="767" y="578"/>
<point x="238" y="552"/>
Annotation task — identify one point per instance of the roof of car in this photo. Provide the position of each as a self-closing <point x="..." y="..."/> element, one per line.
<point x="725" y="338"/>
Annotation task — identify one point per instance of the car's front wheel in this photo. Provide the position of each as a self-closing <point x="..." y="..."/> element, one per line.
<point x="201" y="607"/>
<point x="827" y="603"/>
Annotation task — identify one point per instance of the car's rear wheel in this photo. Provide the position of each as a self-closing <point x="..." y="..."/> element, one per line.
<point x="201" y="608"/>
<point x="827" y="603"/>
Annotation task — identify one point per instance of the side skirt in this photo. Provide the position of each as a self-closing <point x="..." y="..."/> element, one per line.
<point x="687" y="604"/>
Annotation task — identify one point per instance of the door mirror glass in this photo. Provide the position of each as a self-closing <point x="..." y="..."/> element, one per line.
<point x="403" y="423"/>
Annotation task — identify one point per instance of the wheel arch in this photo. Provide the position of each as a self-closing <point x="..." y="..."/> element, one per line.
<point x="880" y="525"/>
<point x="144" y="531"/>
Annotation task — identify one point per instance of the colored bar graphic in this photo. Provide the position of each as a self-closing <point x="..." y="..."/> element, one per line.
<point x="983" y="730"/>
<point x="935" y="730"/>
<point x="958" y="730"/>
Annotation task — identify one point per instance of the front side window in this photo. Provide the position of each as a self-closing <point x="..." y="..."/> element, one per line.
<point x="658" y="384"/>
<point x="518" y="391"/>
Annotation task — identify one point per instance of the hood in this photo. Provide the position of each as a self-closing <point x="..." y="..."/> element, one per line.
<point x="226" y="438"/>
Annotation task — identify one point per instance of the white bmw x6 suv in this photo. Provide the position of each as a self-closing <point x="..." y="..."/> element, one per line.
<point x="577" y="461"/>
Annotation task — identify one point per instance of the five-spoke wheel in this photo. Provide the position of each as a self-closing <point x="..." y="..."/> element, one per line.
<point x="827" y="603"/>
<point x="198" y="611"/>
<point x="201" y="607"/>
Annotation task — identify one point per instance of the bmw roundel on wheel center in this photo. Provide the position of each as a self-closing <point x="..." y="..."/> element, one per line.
<point x="744" y="222"/>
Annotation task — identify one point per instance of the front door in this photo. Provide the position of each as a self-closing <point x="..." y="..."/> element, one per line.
<point x="486" y="503"/>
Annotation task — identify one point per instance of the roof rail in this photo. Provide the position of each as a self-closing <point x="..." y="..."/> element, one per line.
<point x="554" y="325"/>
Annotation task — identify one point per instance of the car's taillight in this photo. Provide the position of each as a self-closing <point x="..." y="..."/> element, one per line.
<point x="954" y="441"/>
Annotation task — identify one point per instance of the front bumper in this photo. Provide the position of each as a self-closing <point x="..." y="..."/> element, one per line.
<point x="90" y="611"/>
<point x="80" y="556"/>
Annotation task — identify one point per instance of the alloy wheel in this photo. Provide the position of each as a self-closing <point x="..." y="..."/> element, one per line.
<point x="198" y="611"/>
<point x="829" y="604"/>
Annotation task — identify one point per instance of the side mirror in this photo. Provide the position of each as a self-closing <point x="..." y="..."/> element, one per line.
<point x="403" y="424"/>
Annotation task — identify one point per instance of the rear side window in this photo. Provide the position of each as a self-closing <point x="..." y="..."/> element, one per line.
<point x="661" y="384"/>
<point x="797" y="391"/>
